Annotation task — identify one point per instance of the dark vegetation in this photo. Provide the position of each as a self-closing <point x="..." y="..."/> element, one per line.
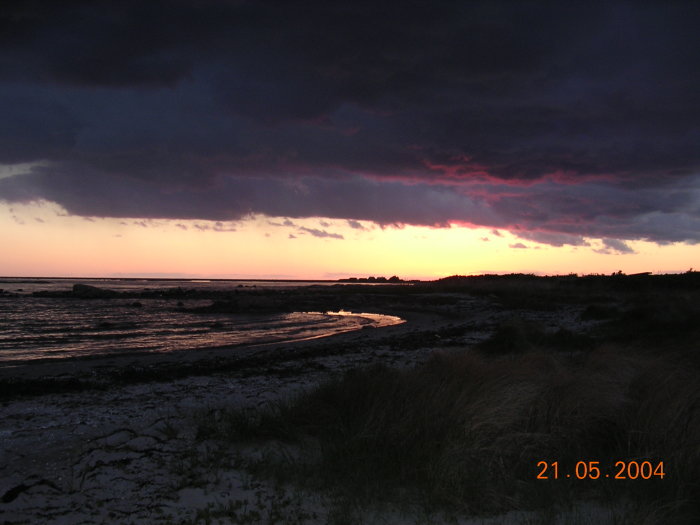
<point x="465" y="430"/>
<point x="372" y="279"/>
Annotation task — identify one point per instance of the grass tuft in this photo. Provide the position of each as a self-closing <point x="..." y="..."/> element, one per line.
<point x="465" y="431"/>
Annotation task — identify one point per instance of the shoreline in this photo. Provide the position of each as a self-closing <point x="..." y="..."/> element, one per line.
<point x="104" y="450"/>
<point x="98" y="370"/>
<point x="118" y="438"/>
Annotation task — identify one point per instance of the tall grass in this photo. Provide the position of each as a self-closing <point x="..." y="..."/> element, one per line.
<point x="467" y="431"/>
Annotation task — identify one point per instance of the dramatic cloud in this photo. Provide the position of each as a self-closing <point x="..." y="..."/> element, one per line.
<point x="556" y="121"/>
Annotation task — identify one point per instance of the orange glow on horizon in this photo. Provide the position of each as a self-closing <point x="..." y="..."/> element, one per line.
<point x="41" y="240"/>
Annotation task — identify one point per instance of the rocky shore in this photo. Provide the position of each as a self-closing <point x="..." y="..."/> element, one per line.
<point x="119" y="439"/>
<point x="98" y="440"/>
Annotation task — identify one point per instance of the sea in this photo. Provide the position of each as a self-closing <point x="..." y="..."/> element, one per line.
<point x="37" y="327"/>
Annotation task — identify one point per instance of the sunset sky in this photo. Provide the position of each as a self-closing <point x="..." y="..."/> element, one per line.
<point x="329" y="139"/>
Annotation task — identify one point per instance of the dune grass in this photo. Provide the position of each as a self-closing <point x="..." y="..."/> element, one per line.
<point x="465" y="432"/>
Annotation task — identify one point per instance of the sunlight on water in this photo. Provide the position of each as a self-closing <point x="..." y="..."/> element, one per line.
<point x="49" y="327"/>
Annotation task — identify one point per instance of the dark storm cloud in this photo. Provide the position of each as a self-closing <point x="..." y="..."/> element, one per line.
<point x="385" y="202"/>
<point x="555" y="120"/>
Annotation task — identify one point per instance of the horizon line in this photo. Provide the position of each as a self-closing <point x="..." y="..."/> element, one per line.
<point x="337" y="279"/>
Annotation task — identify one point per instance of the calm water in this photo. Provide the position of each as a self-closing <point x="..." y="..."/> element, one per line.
<point x="39" y="327"/>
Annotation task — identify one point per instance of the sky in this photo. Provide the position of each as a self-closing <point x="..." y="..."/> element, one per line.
<point x="326" y="139"/>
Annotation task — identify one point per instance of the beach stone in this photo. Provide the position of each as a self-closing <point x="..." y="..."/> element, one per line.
<point x="142" y="443"/>
<point x="117" y="438"/>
